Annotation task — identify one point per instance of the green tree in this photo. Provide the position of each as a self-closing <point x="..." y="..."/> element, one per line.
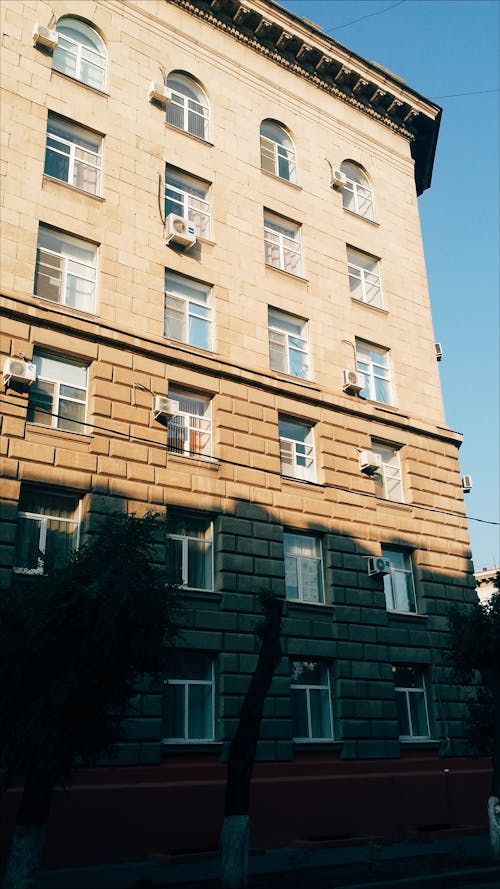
<point x="74" y="644"/>
<point x="475" y="658"/>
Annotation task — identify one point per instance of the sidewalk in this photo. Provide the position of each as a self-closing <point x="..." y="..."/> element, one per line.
<point x="450" y="863"/>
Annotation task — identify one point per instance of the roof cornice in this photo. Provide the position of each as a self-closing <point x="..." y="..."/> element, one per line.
<point x="302" y="48"/>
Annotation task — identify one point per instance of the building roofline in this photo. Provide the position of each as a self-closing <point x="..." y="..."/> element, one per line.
<point x="304" y="49"/>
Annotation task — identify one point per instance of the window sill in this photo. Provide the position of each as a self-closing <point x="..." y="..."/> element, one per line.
<point x="66" y="435"/>
<point x="379" y="309"/>
<point x="290" y="378"/>
<point x="300" y="482"/>
<point x="195" y="459"/>
<point x="419" y="742"/>
<point x="81" y="191"/>
<point x="202" y="595"/>
<point x="303" y="606"/>
<point x="291" y="275"/>
<point x="281" y="179"/>
<point x="360" y="216"/>
<point x="93" y="89"/>
<point x="199" y="139"/>
<point x="405" y="615"/>
<point x="47" y="304"/>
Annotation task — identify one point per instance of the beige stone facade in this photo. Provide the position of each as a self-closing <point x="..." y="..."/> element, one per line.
<point x="118" y="456"/>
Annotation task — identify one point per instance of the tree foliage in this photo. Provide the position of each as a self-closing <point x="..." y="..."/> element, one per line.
<point x="75" y="642"/>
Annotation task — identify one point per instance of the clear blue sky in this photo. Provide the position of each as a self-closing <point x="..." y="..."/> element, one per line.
<point x="444" y="47"/>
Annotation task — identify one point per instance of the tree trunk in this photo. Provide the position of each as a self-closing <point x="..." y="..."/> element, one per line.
<point x="28" y="840"/>
<point x="494" y="800"/>
<point x="235" y="836"/>
<point x="494" y="824"/>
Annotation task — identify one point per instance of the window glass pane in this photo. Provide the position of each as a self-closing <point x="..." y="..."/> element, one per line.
<point x="402" y="600"/>
<point x="299" y="713"/>
<point x="420" y="727"/>
<point x="174" y="561"/>
<point x="200" y="711"/>
<point x="402" y="709"/>
<point x="27" y="543"/>
<point x="199" y="562"/>
<point x="320" y="713"/>
<point x="71" y="416"/>
<point x="60" y="543"/>
<point x="291" y="578"/>
<point x="311" y="580"/>
<point x="73" y="373"/>
<point x="175" y="319"/>
<point x="48" y="276"/>
<point x="41" y="402"/>
<point x="173" y="711"/>
<point x="199" y="333"/>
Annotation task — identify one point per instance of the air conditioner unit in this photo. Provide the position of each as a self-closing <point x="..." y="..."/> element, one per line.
<point x="369" y="462"/>
<point x="45" y="37"/>
<point x="439" y="351"/>
<point x="467" y="483"/>
<point x="352" y="382"/>
<point x="160" y="93"/>
<point x="338" y="180"/>
<point x="179" y="230"/>
<point x="378" y="565"/>
<point x="164" y="408"/>
<point x="16" y="370"/>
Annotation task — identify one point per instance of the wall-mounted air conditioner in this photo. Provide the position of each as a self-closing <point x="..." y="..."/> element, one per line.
<point x="45" y="37"/>
<point x="352" y="382"/>
<point x="164" y="408"/>
<point x="467" y="483"/>
<point x="369" y="463"/>
<point x="179" y="230"/>
<point x="439" y="351"/>
<point x="338" y="180"/>
<point x="378" y="565"/>
<point x="16" y="370"/>
<point x="159" y="93"/>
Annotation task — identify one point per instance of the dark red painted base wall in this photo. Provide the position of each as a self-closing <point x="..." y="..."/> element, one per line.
<point x="125" y="814"/>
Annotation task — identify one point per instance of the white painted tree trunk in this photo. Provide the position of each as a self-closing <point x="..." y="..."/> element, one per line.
<point x="25" y="856"/>
<point x="234" y="843"/>
<point x="494" y="822"/>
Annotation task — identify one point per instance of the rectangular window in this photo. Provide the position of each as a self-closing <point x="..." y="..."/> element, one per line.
<point x="190" y="550"/>
<point x="73" y="155"/>
<point x="296" y="450"/>
<point x="311" y="701"/>
<point x="399" y="587"/>
<point x="188" y="700"/>
<point x="388" y="480"/>
<point x="188" y="197"/>
<point x="288" y="350"/>
<point x="58" y="397"/>
<point x="303" y="567"/>
<point x="411" y="702"/>
<point x="373" y="363"/>
<point x="283" y="249"/>
<point x="188" y="313"/>
<point x="364" y="278"/>
<point x="47" y="530"/>
<point x="66" y="270"/>
<point x="190" y="432"/>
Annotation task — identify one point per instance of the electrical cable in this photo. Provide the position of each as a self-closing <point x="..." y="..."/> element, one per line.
<point x="113" y="433"/>
<point x="367" y="16"/>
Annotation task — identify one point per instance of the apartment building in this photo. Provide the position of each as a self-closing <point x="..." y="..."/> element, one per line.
<point x="214" y="303"/>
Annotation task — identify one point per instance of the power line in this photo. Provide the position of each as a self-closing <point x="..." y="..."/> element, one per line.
<point x="367" y="16"/>
<point x="113" y="433"/>
<point x="474" y="93"/>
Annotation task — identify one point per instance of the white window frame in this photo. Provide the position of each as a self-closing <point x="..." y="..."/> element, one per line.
<point x="191" y="424"/>
<point x="183" y="110"/>
<point x="376" y="369"/>
<point x="276" y="156"/>
<point x="187" y="684"/>
<point x="282" y="244"/>
<point x="69" y="49"/>
<point x="308" y="569"/>
<point x="388" y="479"/>
<point x="74" y="146"/>
<point x="393" y="598"/>
<point x="188" y="196"/>
<point x="64" y="256"/>
<point x="405" y="693"/>
<point x="288" y="338"/>
<point x="44" y="520"/>
<point x="324" y="685"/>
<point x="56" y="419"/>
<point x="364" y="273"/>
<point x="297" y="453"/>
<point x="357" y="196"/>
<point x="184" y="540"/>
<point x="194" y="305"/>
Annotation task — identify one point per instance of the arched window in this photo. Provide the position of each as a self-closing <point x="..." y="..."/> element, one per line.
<point x="357" y="193"/>
<point x="277" y="151"/>
<point x="80" y="53"/>
<point x="188" y="109"/>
